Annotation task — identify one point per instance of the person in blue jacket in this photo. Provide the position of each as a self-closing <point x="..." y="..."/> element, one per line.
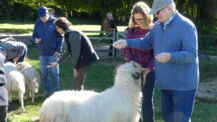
<point x="49" y="43"/>
<point x="175" y="43"/>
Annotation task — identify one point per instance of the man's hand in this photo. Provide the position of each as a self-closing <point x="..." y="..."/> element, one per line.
<point x="57" y="55"/>
<point x="15" y="59"/>
<point x="163" y="57"/>
<point x="122" y="43"/>
<point x="52" y="64"/>
<point x="37" y="40"/>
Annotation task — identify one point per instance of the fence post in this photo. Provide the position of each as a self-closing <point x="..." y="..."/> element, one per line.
<point x="113" y="49"/>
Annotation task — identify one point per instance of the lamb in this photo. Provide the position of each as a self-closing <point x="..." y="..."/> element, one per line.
<point x="32" y="78"/>
<point x="120" y="103"/>
<point x="15" y="82"/>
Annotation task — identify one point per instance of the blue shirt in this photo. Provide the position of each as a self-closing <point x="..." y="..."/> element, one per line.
<point x="179" y="39"/>
<point x="52" y="41"/>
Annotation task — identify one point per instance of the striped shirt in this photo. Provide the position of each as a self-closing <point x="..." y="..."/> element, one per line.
<point x="143" y="57"/>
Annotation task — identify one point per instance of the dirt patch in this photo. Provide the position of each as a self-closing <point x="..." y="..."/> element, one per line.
<point x="207" y="91"/>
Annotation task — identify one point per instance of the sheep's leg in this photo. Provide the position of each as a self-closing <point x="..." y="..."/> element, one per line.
<point x="10" y="98"/>
<point x="30" y="94"/>
<point x="33" y="97"/>
<point x="21" y="101"/>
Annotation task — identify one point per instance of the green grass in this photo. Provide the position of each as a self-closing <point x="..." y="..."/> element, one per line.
<point x="28" y="28"/>
<point x="16" y="28"/>
<point x="99" y="78"/>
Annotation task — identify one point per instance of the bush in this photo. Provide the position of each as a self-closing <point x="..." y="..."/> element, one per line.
<point x="16" y="12"/>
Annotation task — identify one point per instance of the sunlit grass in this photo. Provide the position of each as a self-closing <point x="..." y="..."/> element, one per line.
<point x="12" y="28"/>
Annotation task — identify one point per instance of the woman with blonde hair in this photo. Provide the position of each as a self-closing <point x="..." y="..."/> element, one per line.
<point x="139" y="24"/>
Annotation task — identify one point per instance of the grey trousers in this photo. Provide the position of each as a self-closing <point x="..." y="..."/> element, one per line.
<point x="78" y="82"/>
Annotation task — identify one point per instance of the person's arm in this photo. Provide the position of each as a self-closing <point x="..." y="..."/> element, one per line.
<point x="189" y="44"/>
<point x="145" y="43"/>
<point x="34" y="35"/>
<point x="2" y="77"/>
<point x="65" y="54"/>
<point x="59" y="43"/>
<point x="75" y="39"/>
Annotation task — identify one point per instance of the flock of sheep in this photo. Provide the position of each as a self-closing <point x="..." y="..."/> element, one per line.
<point x="120" y="103"/>
<point x="20" y="78"/>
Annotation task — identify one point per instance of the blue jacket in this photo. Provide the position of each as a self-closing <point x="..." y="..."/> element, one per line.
<point x="180" y="39"/>
<point x="52" y="41"/>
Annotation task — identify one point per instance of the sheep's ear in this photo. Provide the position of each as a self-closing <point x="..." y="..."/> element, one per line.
<point x="115" y="69"/>
<point x="136" y="75"/>
<point x="134" y="63"/>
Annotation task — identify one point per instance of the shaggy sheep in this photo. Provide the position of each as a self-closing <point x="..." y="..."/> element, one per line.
<point x="120" y="103"/>
<point x="32" y="78"/>
<point x="15" y="82"/>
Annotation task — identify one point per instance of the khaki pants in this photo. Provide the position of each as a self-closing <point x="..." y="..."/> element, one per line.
<point x="78" y="83"/>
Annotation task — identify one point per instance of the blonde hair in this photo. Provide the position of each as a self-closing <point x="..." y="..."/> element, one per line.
<point x="140" y="8"/>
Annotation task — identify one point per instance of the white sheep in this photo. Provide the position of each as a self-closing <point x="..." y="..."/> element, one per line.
<point x="120" y="103"/>
<point x="15" y="82"/>
<point x="32" y="78"/>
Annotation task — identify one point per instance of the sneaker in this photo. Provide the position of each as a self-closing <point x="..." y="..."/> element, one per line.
<point x="45" y="94"/>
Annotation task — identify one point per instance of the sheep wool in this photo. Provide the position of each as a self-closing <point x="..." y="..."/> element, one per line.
<point x="120" y="103"/>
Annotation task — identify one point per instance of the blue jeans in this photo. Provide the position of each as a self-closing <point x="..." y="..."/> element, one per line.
<point x="147" y="100"/>
<point x="44" y="62"/>
<point x="177" y="106"/>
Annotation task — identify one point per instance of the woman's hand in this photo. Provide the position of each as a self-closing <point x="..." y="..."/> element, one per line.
<point x="76" y="74"/>
<point x="52" y="64"/>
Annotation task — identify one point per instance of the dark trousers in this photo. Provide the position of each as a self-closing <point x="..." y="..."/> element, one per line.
<point x="177" y="106"/>
<point x="3" y="113"/>
<point x="78" y="82"/>
<point x="147" y="100"/>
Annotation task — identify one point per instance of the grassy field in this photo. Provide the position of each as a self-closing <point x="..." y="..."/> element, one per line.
<point x="98" y="79"/>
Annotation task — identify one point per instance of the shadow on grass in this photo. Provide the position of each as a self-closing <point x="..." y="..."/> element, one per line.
<point x="16" y="106"/>
<point x="15" y="31"/>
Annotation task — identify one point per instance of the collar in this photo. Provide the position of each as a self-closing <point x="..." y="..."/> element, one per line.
<point x="67" y="30"/>
<point x="169" y="20"/>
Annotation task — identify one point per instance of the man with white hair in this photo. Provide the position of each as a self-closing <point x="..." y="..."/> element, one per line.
<point x="174" y="40"/>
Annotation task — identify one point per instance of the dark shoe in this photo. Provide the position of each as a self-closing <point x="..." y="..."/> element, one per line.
<point x="110" y="54"/>
<point x="45" y="94"/>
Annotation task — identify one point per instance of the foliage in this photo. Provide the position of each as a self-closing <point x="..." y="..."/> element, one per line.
<point x="12" y="11"/>
<point x="202" y="12"/>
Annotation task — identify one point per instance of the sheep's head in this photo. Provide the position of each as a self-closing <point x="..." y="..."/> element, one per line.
<point x="22" y="65"/>
<point x="129" y="72"/>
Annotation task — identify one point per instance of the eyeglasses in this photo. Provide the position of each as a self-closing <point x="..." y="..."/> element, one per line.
<point x="160" y="10"/>
<point x="139" y="19"/>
